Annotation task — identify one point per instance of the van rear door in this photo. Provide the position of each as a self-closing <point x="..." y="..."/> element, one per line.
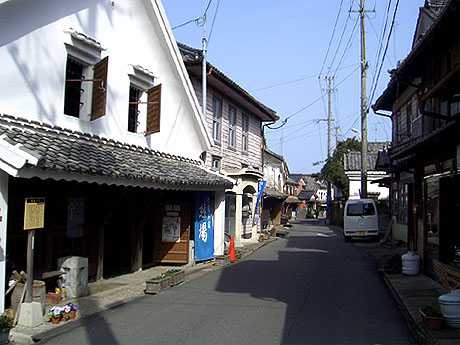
<point x="361" y="216"/>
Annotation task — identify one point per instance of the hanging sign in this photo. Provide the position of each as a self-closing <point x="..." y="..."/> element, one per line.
<point x="261" y="185"/>
<point x="34" y="213"/>
<point x="170" y="230"/>
<point x="204" y="228"/>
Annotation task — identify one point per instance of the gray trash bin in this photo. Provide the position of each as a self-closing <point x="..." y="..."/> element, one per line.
<point x="75" y="279"/>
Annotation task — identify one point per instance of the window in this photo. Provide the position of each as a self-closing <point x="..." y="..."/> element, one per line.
<point x="73" y="91"/>
<point x="133" y="109"/>
<point x="361" y="209"/>
<point x="245" y="132"/>
<point x="85" y="93"/>
<point x="215" y="163"/>
<point x="231" y="126"/>
<point x="216" y="119"/>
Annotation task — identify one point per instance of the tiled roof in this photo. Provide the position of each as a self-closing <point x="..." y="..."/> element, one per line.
<point x="193" y="56"/>
<point x="273" y="193"/>
<point x="352" y="161"/>
<point x="306" y="195"/>
<point x="74" y="152"/>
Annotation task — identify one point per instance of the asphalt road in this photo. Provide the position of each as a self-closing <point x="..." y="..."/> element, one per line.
<point x="310" y="288"/>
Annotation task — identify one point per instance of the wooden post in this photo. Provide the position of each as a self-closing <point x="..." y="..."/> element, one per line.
<point x="100" y="253"/>
<point x="30" y="265"/>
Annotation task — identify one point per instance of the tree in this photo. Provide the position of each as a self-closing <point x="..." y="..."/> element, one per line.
<point x="333" y="170"/>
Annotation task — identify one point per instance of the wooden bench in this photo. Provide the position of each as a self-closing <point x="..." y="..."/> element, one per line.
<point x="449" y="278"/>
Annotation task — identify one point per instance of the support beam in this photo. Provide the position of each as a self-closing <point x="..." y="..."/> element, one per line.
<point x="3" y="232"/>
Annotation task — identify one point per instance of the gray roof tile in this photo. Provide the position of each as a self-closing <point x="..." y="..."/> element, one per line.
<point x="81" y="153"/>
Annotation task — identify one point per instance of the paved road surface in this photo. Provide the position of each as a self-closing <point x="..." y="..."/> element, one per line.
<point x="310" y="288"/>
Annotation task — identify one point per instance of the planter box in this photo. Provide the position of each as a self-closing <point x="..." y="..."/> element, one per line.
<point x="177" y="278"/>
<point x="155" y="285"/>
<point x="432" y="322"/>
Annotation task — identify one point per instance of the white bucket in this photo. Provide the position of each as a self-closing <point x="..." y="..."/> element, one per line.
<point x="410" y="264"/>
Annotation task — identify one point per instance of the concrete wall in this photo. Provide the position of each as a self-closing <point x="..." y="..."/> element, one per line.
<point x="354" y="180"/>
<point x="33" y="55"/>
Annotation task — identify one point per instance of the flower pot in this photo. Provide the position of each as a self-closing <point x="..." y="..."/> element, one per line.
<point x="450" y="308"/>
<point x="55" y="320"/>
<point x="73" y="315"/>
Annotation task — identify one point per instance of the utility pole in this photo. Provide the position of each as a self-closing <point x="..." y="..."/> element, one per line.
<point x="337" y="131"/>
<point x="362" y="14"/>
<point x="204" y="43"/>
<point x="330" y="90"/>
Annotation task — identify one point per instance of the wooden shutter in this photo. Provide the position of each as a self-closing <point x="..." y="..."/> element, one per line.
<point x="153" y="109"/>
<point x="100" y="89"/>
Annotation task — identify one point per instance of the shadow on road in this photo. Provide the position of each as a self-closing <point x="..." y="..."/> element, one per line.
<point x="331" y="290"/>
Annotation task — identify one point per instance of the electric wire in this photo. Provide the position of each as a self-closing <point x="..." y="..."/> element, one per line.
<point x="195" y="20"/>
<point x="332" y="37"/>
<point x="319" y="98"/>
<point x="380" y="45"/>
<point x="213" y="21"/>
<point x="347" y="47"/>
<point x="385" y="51"/>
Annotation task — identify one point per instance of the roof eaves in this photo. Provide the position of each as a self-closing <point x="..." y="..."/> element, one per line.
<point x="379" y="103"/>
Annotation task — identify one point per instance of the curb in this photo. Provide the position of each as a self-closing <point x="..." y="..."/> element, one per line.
<point x="41" y="338"/>
<point x="418" y="332"/>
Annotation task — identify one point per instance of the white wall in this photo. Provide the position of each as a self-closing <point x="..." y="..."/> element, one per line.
<point x="273" y="174"/>
<point x="354" y="183"/>
<point x="33" y="58"/>
<point x="219" y="223"/>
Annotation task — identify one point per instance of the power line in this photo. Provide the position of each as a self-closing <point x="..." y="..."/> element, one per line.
<point x="382" y="37"/>
<point x="348" y="45"/>
<point x="332" y="37"/>
<point x="213" y="21"/>
<point x="198" y="20"/>
<point x="195" y="20"/>
<point x="385" y="51"/>
<point x="339" y="44"/>
<point x="293" y="81"/>
<point x="319" y="98"/>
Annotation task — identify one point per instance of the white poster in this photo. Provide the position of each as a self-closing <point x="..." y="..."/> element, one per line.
<point x="170" y="229"/>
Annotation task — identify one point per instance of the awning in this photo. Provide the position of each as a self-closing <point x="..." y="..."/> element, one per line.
<point x="271" y="193"/>
<point x="33" y="149"/>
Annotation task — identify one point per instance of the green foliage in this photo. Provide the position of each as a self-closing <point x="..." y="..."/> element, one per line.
<point x="333" y="170"/>
<point x="6" y="322"/>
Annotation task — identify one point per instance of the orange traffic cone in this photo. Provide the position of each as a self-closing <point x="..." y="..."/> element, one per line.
<point x="231" y="250"/>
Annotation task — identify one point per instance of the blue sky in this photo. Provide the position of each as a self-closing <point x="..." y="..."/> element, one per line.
<point x="260" y="43"/>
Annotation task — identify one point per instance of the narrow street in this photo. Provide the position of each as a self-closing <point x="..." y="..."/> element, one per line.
<point x="309" y="288"/>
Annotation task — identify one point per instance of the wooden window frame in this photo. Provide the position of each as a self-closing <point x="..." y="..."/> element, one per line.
<point x="232" y="120"/>
<point x="217" y="120"/>
<point x="245" y="124"/>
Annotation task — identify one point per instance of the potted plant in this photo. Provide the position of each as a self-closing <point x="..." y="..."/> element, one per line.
<point x="432" y="317"/>
<point x="6" y="323"/>
<point x="55" y="315"/>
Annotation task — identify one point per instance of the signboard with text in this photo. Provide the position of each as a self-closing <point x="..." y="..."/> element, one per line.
<point x="34" y="213"/>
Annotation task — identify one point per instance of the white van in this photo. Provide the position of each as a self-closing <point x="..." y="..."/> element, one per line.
<point x="360" y="219"/>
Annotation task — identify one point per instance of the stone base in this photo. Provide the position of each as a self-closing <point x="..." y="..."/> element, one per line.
<point x="30" y="315"/>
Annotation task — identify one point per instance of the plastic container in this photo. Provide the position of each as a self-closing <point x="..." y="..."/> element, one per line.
<point x="410" y="264"/>
<point x="450" y="308"/>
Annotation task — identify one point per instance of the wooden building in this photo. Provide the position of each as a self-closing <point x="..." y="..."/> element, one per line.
<point x="234" y="121"/>
<point x="423" y="100"/>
